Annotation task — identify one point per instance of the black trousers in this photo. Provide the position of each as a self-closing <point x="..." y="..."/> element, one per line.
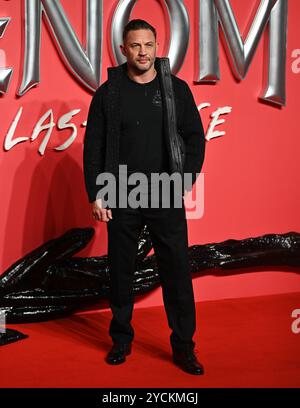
<point x="168" y="231"/>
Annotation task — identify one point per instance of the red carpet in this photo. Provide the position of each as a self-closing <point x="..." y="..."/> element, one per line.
<point x="245" y="342"/>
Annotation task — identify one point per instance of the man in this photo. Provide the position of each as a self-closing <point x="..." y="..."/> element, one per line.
<point x="145" y="118"/>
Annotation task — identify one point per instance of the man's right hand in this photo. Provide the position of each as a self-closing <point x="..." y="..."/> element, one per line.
<point x="99" y="213"/>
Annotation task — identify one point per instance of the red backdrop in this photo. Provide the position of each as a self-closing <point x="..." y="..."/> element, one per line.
<point x="251" y="173"/>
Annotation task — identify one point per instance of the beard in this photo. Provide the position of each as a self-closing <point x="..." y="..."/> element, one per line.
<point x="141" y="68"/>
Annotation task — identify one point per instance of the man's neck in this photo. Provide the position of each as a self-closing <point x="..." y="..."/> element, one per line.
<point x="143" y="77"/>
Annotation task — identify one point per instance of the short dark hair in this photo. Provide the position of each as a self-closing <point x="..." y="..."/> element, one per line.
<point x="137" y="24"/>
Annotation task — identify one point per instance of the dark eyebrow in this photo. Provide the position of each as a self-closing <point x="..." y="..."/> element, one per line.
<point x="136" y="43"/>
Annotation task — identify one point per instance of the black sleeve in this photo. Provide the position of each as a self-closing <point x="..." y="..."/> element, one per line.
<point x="193" y="135"/>
<point x="94" y="144"/>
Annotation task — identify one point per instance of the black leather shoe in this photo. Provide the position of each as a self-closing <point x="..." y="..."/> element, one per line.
<point x="118" y="353"/>
<point x="187" y="361"/>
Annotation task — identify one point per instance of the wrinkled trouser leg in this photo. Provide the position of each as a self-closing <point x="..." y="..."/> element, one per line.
<point x="123" y="231"/>
<point x="168" y="230"/>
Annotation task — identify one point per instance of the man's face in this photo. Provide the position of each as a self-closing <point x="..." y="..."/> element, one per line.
<point x="140" y="49"/>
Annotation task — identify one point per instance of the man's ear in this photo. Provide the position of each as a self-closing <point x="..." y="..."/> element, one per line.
<point x="122" y="49"/>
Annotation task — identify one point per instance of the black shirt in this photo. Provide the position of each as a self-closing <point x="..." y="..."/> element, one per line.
<point x="142" y="145"/>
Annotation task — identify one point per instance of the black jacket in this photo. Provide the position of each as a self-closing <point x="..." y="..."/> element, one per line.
<point x="183" y="128"/>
